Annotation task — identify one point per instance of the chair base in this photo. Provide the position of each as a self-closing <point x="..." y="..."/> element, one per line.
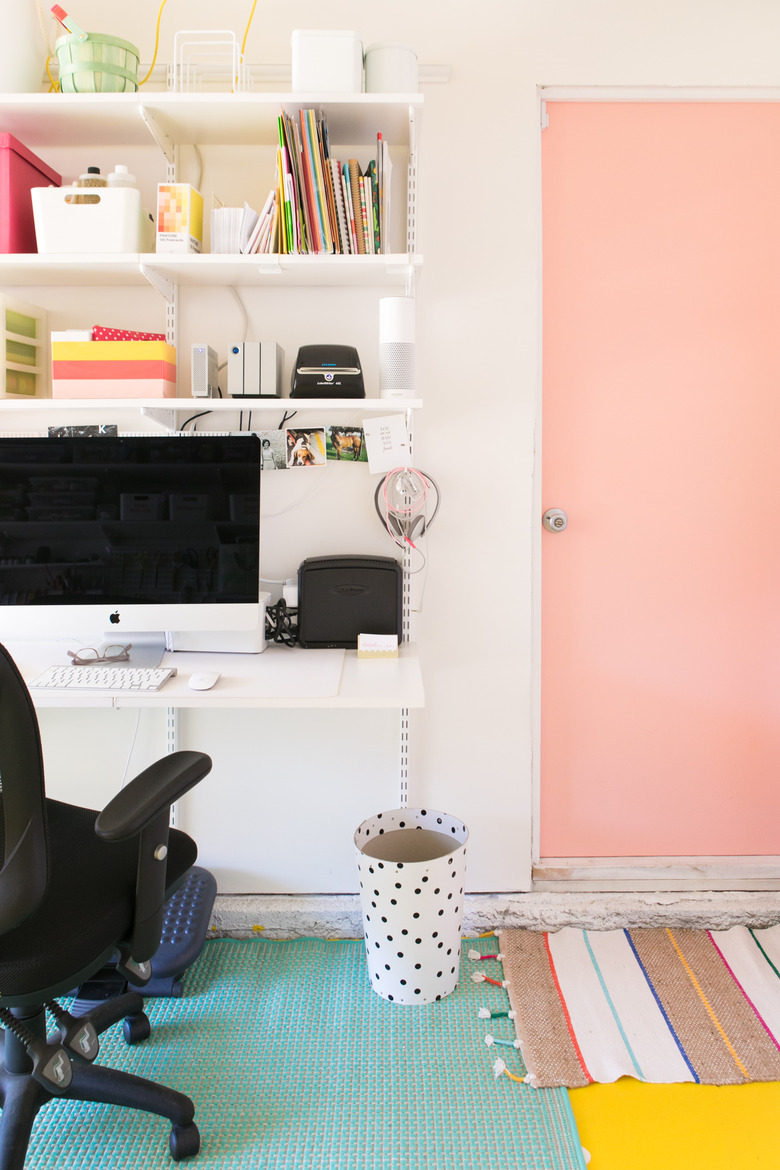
<point x="22" y="1096"/>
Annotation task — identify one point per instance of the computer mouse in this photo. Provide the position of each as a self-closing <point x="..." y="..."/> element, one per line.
<point x="203" y="680"/>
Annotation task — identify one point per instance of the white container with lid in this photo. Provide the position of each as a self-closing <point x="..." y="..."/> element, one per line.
<point x="391" y="68"/>
<point x="326" y="61"/>
<point x="120" y="177"/>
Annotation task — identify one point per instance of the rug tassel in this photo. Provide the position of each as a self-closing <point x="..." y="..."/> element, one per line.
<point x="477" y="956"/>
<point x="478" y="977"/>
<point x="491" y="1040"/>
<point x="500" y="1068"/>
<point x="487" y="1014"/>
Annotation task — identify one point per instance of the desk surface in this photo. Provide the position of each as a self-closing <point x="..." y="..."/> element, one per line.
<point x="278" y="677"/>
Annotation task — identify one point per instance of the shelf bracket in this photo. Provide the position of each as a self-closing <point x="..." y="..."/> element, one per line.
<point x="169" y="291"/>
<point x="160" y="137"/>
<point x="166" y="418"/>
<point x="269" y="268"/>
<point x="165" y="287"/>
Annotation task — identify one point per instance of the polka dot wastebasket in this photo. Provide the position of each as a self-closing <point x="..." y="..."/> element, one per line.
<point x="412" y="864"/>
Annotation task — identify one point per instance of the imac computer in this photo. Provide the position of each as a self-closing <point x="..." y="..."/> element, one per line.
<point x="111" y="536"/>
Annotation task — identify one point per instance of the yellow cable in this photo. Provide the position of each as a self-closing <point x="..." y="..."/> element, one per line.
<point x="246" y="30"/>
<point x="156" y="44"/>
<point x="55" y="85"/>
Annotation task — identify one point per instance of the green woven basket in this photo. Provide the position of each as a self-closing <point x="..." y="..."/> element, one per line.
<point x="100" y="64"/>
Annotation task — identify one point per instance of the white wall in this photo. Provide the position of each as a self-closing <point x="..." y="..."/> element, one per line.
<point x="478" y="372"/>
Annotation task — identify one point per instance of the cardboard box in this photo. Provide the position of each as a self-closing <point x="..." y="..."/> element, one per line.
<point x="113" y="369"/>
<point x="179" y="218"/>
<point x="20" y="171"/>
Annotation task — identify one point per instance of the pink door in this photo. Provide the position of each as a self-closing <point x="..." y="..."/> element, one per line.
<point x="661" y="441"/>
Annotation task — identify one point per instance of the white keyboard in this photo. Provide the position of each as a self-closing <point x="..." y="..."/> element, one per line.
<point x="103" y="678"/>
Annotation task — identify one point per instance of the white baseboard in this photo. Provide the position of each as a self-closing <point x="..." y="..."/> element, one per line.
<point x="339" y="916"/>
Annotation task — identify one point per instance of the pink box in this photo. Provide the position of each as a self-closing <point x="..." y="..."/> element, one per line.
<point x="20" y="171"/>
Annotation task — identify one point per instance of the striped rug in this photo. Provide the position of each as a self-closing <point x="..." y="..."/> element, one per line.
<point x="657" y="1004"/>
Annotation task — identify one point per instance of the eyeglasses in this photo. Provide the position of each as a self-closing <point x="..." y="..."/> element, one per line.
<point x="89" y="656"/>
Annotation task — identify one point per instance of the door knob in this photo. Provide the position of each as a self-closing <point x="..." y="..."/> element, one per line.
<point x="555" y="520"/>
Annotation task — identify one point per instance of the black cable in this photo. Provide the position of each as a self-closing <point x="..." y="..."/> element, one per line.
<point x="286" y="418"/>
<point x="192" y="418"/>
<point x="281" y="623"/>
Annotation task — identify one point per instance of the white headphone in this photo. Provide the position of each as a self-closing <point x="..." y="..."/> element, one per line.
<point x="402" y="500"/>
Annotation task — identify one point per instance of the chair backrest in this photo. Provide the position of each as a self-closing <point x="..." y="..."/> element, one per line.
<point x="24" y="873"/>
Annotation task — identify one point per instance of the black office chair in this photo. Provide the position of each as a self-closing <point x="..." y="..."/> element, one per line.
<point x="79" y="889"/>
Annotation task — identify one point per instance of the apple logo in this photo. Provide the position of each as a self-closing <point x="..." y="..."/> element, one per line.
<point x="114" y="618"/>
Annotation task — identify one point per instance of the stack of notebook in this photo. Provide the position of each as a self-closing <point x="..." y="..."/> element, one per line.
<point x="319" y="203"/>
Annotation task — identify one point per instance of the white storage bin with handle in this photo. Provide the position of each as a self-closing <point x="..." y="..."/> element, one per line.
<point x="111" y="223"/>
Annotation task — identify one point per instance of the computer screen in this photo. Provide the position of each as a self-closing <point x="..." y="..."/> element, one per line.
<point x="121" y="534"/>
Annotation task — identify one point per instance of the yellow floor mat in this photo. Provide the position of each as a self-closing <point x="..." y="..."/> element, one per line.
<point x="630" y="1125"/>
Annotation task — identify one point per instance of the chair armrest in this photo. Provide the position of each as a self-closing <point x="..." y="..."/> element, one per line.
<point x="150" y="793"/>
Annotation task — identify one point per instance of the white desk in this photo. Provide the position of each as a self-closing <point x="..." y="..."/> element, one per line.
<point x="280" y="676"/>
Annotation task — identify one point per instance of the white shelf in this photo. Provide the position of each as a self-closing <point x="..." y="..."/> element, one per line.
<point x="286" y="271"/>
<point x="176" y="405"/>
<point x="208" y="270"/>
<point x="137" y="119"/>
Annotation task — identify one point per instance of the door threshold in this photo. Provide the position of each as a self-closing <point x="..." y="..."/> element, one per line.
<point x="658" y="873"/>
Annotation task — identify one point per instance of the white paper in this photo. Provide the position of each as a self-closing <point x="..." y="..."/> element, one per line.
<point x="387" y="442"/>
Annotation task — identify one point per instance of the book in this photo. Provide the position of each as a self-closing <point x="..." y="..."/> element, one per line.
<point x="374" y="210"/>
<point x="349" y="209"/>
<point x="341" y="214"/>
<point x="250" y="245"/>
<point x="385" y="168"/>
<point x="313" y="159"/>
<point x="330" y="194"/>
<point x="358" y="198"/>
<point x="364" y="214"/>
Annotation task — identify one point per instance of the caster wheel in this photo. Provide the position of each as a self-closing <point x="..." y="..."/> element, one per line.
<point x="136" y="1028"/>
<point x="184" y="1141"/>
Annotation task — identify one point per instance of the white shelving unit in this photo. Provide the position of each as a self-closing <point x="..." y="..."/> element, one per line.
<point x="169" y="120"/>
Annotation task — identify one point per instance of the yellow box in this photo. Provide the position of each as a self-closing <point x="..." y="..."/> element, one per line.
<point x="179" y="218"/>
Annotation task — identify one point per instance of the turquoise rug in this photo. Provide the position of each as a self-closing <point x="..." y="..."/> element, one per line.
<point x="294" y="1063"/>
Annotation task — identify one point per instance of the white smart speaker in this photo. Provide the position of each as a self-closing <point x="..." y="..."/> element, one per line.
<point x="396" y="347"/>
